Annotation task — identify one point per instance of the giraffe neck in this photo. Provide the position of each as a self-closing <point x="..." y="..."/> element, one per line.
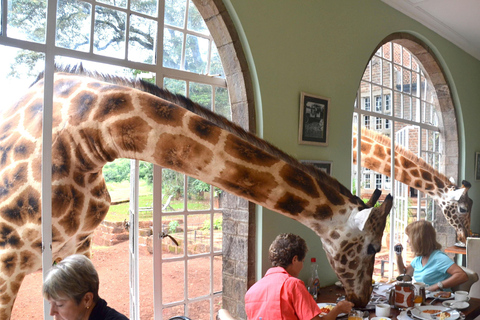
<point x="114" y="126"/>
<point x="409" y="169"/>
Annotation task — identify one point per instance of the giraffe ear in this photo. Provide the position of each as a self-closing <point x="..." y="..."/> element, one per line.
<point x="359" y="218"/>
<point x="452" y="180"/>
<point x="455" y="195"/>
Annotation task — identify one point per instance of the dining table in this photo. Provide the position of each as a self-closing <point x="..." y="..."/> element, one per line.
<point x="332" y="293"/>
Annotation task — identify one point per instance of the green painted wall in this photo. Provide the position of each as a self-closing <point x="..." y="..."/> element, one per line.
<point x="322" y="47"/>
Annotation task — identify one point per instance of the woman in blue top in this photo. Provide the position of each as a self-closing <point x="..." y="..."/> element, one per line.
<point x="430" y="265"/>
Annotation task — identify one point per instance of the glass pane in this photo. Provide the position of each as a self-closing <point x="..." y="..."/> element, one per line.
<point x="387" y="101"/>
<point x="367" y="72"/>
<point x="196" y="54"/>
<point x="195" y="20"/>
<point x="216" y="68"/>
<point x="148" y="7"/>
<point x="109" y="34"/>
<point x="376" y="70"/>
<point x="73" y="25"/>
<point x="217" y="304"/>
<point x="387" y="51"/>
<point x="397" y="77"/>
<point x="16" y="76"/>
<point x="172" y="190"/>
<point x="27" y="20"/>
<point x="198" y="195"/>
<point x="397" y="99"/>
<point x="198" y="277"/>
<point x="397" y="53"/>
<point x="174" y="226"/>
<point x="116" y="3"/>
<point x="387" y="74"/>
<point x="142" y="35"/>
<point x="175" y="86"/>
<point x="173" y="311"/>
<point x="407" y="107"/>
<point x="217" y="231"/>
<point x="172" y="48"/>
<point x="222" y="103"/>
<point x="377" y="103"/>
<point x="415" y="109"/>
<point x="200" y="309"/>
<point x="407" y="81"/>
<point x="407" y="58"/>
<point x="365" y="99"/>
<point x="415" y="81"/>
<point x="201" y="94"/>
<point x="198" y="233"/>
<point x="175" y="12"/>
<point x="217" y="273"/>
<point x="172" y="269"/>
<point x="91" y="65"/>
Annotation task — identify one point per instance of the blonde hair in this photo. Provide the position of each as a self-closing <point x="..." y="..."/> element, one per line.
<point x="423" y="238"/>
<point x="71" y="278"/>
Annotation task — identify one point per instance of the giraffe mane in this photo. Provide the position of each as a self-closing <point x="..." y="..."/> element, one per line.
<point x="206" y="113"/>
<point x="384" y="140"/>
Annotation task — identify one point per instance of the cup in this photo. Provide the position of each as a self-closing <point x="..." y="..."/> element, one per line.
<point x="461" y="296"/>
<point x="355" y="315"/>
<point x="419" y="297"/>
<point x="382" y="310"/>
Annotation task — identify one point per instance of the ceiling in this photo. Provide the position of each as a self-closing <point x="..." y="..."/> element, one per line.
<point x="456" y="20"/>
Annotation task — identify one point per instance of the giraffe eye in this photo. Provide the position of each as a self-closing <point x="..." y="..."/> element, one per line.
<point x="372" y="249"/>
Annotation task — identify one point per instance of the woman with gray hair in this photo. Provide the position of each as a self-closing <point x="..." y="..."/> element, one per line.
<point x="71" y="287"/>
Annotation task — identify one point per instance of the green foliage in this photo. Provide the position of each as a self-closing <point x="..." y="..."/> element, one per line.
<point x="217" y="224"/>
<point x="172" y="226"/>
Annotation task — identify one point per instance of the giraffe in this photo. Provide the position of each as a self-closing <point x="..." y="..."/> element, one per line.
<point x="97" y="119"/>
<point x="416" y="173"/>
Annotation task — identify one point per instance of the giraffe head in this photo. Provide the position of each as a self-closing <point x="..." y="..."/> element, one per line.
<point x="457" y="206"/>
<point x="351" y="250"/>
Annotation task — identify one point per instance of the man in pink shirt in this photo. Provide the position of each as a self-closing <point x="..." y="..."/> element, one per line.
<point x="280" y="294"/>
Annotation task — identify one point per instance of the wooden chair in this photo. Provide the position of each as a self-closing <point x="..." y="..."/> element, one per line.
<point x="473" y="263"/>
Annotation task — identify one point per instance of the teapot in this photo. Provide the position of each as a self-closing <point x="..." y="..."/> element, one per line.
<point x="404" y="292"/>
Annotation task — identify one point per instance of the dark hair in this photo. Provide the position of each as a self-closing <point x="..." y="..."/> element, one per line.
<point x="423" y="238"/>
<point x="285" y="247"/>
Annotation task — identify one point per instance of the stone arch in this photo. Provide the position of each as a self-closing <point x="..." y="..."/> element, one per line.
<point x="238" y="215"/>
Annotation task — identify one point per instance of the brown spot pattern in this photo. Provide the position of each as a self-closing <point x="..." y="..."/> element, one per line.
<point x="81" y="107"/>
<point x="323" y="212"/>
<point x="244" y="151"/>
<point x="182" y="153"/>
<point x="97" y="212"/>
<point x="204" y="129"/>
<point x="161" y="111"/>
<point x="246" y="182"/>
<point x="24" y="209"/>
<point x="299" y="180"/>
<point x="13" y="180"/>
<point x="291" y="204"/>
<point x="131" y="134"/>
<point x="113" y="104"/>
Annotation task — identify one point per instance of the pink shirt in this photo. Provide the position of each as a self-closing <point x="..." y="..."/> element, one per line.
<point x="278" y="295"/>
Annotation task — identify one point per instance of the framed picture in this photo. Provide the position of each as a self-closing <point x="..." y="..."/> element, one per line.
<point x="313" y="127"/>
<point x="323" y="165"/>
<point x="477" y="166"/>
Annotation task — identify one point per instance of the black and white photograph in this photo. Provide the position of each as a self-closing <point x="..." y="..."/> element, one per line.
<point x="313" y="126"/>
<point x="323" y="165"/>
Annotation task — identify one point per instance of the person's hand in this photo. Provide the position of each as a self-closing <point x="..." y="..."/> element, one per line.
<point x="398" y="248"/>
<point x="344" y="306"/>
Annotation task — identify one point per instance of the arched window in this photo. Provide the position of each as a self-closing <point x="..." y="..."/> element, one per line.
<point x="167" y="42"/>
<point x="398" y="98"/>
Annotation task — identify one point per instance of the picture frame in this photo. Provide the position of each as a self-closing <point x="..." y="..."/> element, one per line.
<point x="323" y="165"/>
<point x="313" y="124"/>
<point x="477" y="166"/>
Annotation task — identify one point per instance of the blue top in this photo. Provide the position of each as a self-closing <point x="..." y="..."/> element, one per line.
<point x="434" y="270"/>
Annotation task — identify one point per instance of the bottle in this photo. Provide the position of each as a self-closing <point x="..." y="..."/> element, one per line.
<point x="314" y="282"/>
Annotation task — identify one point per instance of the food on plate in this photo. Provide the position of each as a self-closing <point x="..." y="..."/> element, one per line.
<point x="442" y="294"/>
<point x="326" y="309"/>
<point x="440" y="316"/>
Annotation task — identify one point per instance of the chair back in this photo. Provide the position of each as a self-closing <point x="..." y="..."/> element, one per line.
<point x="223" y="314"/>
<point x="466" y="286"/>
<point x="473" y="263"/>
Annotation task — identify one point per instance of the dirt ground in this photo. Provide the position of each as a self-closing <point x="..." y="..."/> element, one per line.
<point x="113" y="267"/>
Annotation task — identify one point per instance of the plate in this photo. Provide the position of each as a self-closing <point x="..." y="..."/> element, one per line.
<point x="460" y="305"/>
<point x="323" y="305"/>
<point x="339" y="284"/>
<point x="434" y="295"/>
<point x="380" y="318"/>
<point x="418" y="312"/>
<point x="460" y="244"/>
